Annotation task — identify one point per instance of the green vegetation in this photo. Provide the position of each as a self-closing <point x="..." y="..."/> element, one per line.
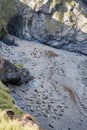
<point x="6" y="100"/>
<point x="19" y="66"/>
<point x="52" y="27"/>
<point x="7" y="10"/>
<point x="3" y="32"/>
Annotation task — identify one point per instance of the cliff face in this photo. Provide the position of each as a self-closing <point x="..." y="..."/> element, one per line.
<point x="62" y="24"/>
<point x="7" y="9"/>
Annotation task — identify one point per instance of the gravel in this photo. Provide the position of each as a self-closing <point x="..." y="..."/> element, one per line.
<point x="57" y="97"/>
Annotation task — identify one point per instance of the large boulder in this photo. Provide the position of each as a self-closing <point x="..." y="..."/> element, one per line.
<point x="14" y="74"/>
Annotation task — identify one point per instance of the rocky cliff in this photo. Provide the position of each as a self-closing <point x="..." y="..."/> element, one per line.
<point x="61" y="24"/>
<point x="7" y="9"/>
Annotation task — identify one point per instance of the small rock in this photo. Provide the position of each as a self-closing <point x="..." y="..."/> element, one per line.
<point x="36" y="91"/>
<point x="51" y="125"/>
<point x="34" y="83"/>
<point x="31" y="109"/>
<point x="60" y="114"/>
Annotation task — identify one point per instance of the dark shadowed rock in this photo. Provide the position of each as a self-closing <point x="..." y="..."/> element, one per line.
<point x="85" y="1"/>
<point x="10" y="40"/>
<point x="9" y="73"/>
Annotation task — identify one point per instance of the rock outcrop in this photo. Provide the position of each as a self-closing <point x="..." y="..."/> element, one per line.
<point x="14" y="74"/>
<point x="7" y="9"/>
<point x="61" y="24"/>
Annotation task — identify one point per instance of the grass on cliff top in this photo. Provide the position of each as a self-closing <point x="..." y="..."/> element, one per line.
<point x="7" y="124"/>
<point x="6" y="100"/>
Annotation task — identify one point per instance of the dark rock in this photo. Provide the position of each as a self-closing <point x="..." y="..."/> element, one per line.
<point x="31" y="109"/>
<point x="8" y="8"/>
<point x="10" y="40"/>
<point x="10" y="113"/>
<point x="18" y="24"/>
<point x="56" y="24"/>
<point x="85" y="1"/>
<point x="51" y="125"/>
<point x="9" y="73"/>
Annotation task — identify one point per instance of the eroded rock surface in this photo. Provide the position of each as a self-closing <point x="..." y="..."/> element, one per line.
<point x="61" y="24"/>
